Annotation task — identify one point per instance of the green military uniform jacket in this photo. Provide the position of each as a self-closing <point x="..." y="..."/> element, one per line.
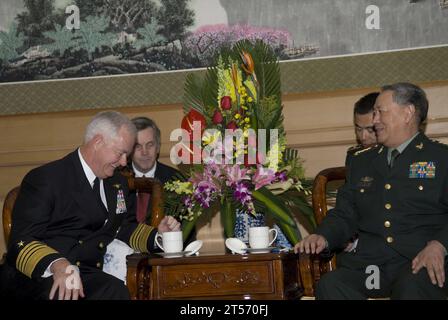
<point x="395" y="211"/>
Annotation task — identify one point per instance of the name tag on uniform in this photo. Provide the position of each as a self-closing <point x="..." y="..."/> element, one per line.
<point x="121" y="204"/>
<point x="425" y="170"/>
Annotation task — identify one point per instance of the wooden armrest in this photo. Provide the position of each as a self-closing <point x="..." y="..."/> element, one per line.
<point x="311" y="269"/>
<point x="138" y="276"/>
<point x="155" y="188"/>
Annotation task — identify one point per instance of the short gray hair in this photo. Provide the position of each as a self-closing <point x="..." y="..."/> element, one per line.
<point x="108" y="123"/>
<point x="404" y="93"/>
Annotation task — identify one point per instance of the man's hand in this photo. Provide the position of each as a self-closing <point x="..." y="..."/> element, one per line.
<point x="432" y="257"/>
<point x="168" y="223"/>
<point x="314" y="243"/>
<point x="66" y="281"/>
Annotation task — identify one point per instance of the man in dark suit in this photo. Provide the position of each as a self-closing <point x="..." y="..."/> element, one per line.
<point x="68" y="212"/>
<point x="145" y="164"/>
<point x="396" y="199"/>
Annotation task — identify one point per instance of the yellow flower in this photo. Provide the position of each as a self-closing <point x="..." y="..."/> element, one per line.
<point x="209" y="138"/>
<point x="179" y="187"/>
<point x="250" y="85"/>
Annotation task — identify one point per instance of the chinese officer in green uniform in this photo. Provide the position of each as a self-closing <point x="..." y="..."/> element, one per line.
<point x="396" y="199"/>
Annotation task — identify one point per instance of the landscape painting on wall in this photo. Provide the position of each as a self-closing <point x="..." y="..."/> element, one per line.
<point x="61" y="39"/>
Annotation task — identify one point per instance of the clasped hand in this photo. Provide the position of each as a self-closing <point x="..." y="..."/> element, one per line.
<point x="167" y="224"/>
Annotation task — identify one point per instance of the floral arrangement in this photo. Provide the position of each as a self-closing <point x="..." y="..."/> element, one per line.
<point x="234" y="142"/>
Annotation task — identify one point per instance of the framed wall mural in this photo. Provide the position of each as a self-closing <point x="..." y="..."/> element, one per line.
<point x="60" y="55"/>
<point x="60" y="39"/>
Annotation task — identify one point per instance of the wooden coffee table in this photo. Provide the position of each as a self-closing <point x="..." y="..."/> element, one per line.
<point x="252" y="276"/>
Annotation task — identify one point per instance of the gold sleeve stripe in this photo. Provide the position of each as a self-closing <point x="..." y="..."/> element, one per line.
<point x="30" y="256"/>
<point x="139" y="238"/>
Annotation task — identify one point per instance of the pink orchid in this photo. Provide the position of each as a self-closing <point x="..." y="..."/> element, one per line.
<point x="235" y="174"/>
<point x="263" y="176"/>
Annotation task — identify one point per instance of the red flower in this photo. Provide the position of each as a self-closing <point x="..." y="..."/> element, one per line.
<point x="232" y="125"/>
<point x="217" y="117"/>
<point x="226" y="103"/>
<point x="189" y="118"/>
<point x="187" y="124"/>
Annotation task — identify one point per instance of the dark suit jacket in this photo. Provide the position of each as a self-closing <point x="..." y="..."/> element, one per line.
<point x="394" y="212"/>
<point x="351" y="152"/>
<point x="57" y="215"/>
<point x="164" y="173"/>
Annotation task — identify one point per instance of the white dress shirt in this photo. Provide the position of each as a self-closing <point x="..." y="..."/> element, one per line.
<point x="149" y="174"/>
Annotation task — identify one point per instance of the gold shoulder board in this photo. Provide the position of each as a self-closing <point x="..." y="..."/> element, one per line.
<point x="361" y="151"/>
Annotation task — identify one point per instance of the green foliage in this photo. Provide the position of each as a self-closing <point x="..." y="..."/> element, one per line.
<point x="297" y="202"/>
<point x="38" y="18"/>
<point x="62" y="39"/>
<point x="149" y="34"/>
<point x="200" y="94"/>
<point x="91" y="7"/>
<point x="228" y="217"/>
<point x="92" y="36"/>
<point x="273" y="206"/>
<point x="9" y="43"/>
<point x="128" y="15"/>
<point x="172" y="205"/>
<point x="268" y="112"/>
<point x="176" y="17"/>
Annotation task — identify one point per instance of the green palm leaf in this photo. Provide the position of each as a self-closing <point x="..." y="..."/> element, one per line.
<point x="201" y="91"/>
<point x="275" y="207"/>
<point x="188" y="226"/>
<point x="291" y="233"/>
<point x="228" y="218"/>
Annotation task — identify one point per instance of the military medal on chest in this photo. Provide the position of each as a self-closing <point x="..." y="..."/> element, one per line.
<point x="121" y="203"/>
<point x="424" y="169"/>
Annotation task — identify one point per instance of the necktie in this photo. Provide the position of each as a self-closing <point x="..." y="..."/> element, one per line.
<point x="393" y="156"/>
<point x="96" y="192"/>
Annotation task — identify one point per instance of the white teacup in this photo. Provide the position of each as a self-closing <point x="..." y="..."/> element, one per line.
<point x="171" y="241"/>
<point x="259" y="237"/>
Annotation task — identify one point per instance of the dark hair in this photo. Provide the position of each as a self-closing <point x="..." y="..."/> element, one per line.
<point x="141" y="123"/>
<point x="407" y="93"/>
<point x="365" y="104"/>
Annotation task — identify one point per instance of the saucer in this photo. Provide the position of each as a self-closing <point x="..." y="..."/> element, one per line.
<point x="236" y="245"/>
<point x="173" y="254"/>
<point x="193" y="248"/>
<point x="260" y="250"/>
